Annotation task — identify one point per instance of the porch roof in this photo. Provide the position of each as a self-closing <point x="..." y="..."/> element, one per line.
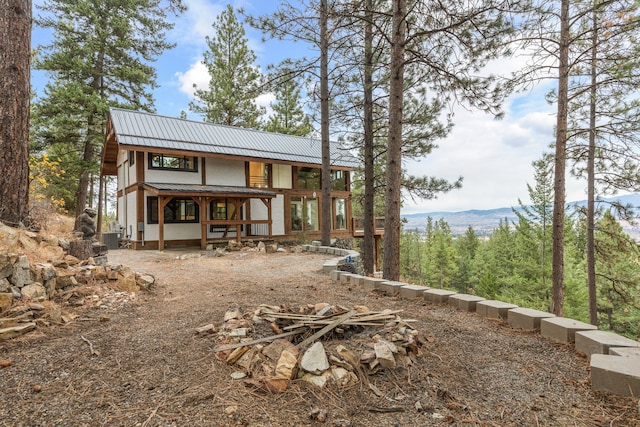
<point x="164" y="189"/>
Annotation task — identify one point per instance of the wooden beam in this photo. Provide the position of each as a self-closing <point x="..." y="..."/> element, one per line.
<point x="259" y="340"/>
<point x="327" y="328"/>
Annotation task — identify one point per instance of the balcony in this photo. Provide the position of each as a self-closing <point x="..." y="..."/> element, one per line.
<point x="358" y="226"/>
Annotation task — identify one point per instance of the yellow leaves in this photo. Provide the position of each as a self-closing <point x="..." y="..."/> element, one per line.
<point x="41" y="170"/>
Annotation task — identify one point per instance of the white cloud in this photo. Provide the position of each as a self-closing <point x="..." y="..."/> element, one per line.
<point x="196" y="23"/>
<point x="197" y="75"/>
<point x="494" y="157"/>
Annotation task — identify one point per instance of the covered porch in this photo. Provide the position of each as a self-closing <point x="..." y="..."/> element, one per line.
<point x="237" y="218"/>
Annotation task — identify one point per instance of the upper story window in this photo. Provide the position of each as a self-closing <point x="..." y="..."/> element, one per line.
<point x="339" y="180"/>
<point x="168" y="162"/>
<point x="259" y="174"/>
<point x="309" y="178"/>
<point x="132" y="157"/>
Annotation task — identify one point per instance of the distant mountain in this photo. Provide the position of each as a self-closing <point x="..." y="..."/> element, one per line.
<point x="484" y="222"/>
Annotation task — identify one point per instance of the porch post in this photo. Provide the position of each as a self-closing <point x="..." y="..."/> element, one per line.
<point x="202" y="207"/>
<point x="377" y="251"/>
<point x="162" y="201"/>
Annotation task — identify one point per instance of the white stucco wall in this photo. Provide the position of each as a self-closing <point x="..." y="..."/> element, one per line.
<point x="225" y="172"/>
<point x="281" y="176"/>
<point x="277" y="215"/>
<point x="173" y="177"/>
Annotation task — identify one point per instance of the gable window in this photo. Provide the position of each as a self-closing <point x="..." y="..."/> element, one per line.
<point x="178" y="163"/>
<point x="309" y="178"/>
<point x="259" y="174"/>
<point x="175" y="211"/>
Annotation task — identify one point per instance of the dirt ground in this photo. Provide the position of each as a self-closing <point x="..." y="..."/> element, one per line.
<point x="151" y="368"/>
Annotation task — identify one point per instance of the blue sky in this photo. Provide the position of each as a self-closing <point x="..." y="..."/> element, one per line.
<point x="494" y="157"/>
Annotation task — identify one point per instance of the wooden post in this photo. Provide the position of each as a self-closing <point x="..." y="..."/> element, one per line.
<point x="162" y="201"/>
<point x="377" y="250"/>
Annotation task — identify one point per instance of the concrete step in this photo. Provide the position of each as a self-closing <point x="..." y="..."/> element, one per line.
<point x="599" y="342"/>
<point x="465" y="302"/>
<point x="494" y="309"/>
<point x="335" y="274"/>
<point x="625" y="352"/>
<point x="615" y="374"/>
<point x="438" y="296"/>
<point x="372" y="283"/>
<point x="391" y="287"/>
<point x="412" y="291"/>
<point x="562" y="329"/>
<point x="357" y="279"/>
<point x="346" y="277"/>
<point x="526" y="318"/>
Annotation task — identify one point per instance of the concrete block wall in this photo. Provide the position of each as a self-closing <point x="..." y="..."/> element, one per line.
<point x="614" y="359"/>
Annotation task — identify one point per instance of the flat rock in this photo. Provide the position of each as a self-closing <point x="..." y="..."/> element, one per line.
<point x="314" y="360"/>
<point x="384" y="354"/>
<point x="16" y="331"/>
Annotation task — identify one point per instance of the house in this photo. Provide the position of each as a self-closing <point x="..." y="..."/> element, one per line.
<point x="215" y="182"/>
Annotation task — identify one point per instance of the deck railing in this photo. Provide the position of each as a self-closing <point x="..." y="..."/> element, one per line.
<point x="378" y="224"/>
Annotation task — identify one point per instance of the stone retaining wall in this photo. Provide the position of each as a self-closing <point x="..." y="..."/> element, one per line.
<point x="614" y="360"/>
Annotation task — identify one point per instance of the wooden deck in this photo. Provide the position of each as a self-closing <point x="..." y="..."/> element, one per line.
<point x="358" y="226"/>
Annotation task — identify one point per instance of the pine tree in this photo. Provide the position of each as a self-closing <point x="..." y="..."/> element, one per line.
<point x="15" y="56"/>
<point x="235" y="79"/>
<point x="99" y="58"/>
<point x="289" y="117"/>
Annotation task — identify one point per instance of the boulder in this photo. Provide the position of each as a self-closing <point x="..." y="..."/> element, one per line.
<point x="7" y="234"/>
<point x="271" y="249"/>
<point x="145" y="281"/>
<point x="6" y="299"/>
<point x="285" y="367"/>
<point x="21" y="272"/>
<point x="34" y="292"/>
<point x="275" y="349"/>
<point x="6" y="265"/>
<point x="384" y="355"/>
<point x="314" y="360"/>
<point x="5" y="285"/>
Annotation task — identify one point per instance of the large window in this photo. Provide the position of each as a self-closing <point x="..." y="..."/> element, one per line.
<point x="309" y="178"/>
<point x="339" y="180"/>
<point x="304" y="214"/>
<point x="222" y="209"/>
<point x="340" y="216"/>
<point x="259" y="175"/>
<point x="175" y="211"/>
<point x="178" y="163"/>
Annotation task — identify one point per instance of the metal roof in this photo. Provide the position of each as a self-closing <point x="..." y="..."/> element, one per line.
<point x="210" y="189"/>
<point x="152" y="131"/>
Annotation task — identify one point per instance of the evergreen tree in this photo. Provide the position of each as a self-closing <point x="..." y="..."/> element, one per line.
<point x="617" y="270"/>
<point x="99" y="58"/>
<point x="466" y="247"/>
<point x="235" y="79"/>
<point x="288" y="115"/>
<point x="15" y="56"/>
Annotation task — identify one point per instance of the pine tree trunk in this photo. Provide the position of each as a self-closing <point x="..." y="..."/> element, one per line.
<point x="15" y="56"/>
<point x="557" y="302"/>
<point x="324" y="126"/>
<point x="591" y="256"/>
<point x="368" y="242"/>
<point x="391" y="269"/>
